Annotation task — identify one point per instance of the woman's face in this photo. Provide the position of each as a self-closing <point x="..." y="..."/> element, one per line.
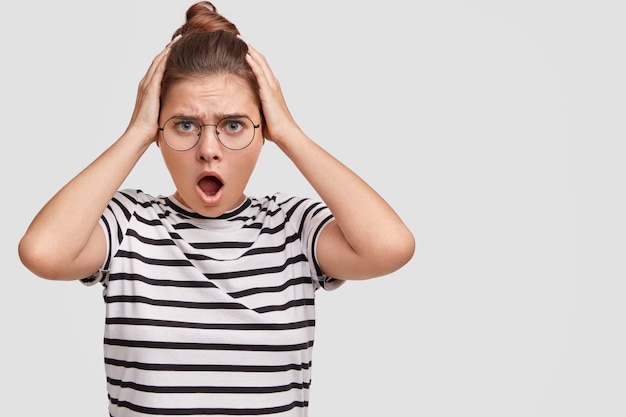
<point x="210" y="179"/>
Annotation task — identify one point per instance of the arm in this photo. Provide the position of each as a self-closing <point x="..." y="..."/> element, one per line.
<point x="64" y="240"/>
<point x="367" y="238"/>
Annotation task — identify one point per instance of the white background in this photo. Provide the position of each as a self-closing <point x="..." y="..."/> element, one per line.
<point x="495" y="128"/>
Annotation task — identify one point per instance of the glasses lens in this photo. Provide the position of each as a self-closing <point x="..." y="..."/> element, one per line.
<point x="181" y="134"/>
<point x="235" y="132"/>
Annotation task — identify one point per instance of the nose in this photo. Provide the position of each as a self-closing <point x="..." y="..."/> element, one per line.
<point x="209" y="147"/>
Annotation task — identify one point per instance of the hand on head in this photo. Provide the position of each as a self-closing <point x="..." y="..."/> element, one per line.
<point x="145" y="117"/>
<point x="279" y="123"/>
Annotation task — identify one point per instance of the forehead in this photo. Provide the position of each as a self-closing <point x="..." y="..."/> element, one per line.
<point x="209" y="98"/>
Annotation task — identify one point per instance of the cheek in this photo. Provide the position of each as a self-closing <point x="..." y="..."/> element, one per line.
<point x="176" y="163"/>
<point x="255" y="152"/>
<point x="240" y="166"/>
<point x="249" y="162"/>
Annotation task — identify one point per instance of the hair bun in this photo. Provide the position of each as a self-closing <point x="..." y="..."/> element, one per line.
<point x="206" y="4"/>
<point x="203" y="17"/>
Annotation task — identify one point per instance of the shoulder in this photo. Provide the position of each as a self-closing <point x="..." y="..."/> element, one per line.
<point x="127" y="202"/>
<point x="137" y="198"/>
<point x="299" y="211"/>
<point x="285" y="202"/>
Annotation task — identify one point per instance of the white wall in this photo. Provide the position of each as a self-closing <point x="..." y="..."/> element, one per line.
<point x="496" y="129"/>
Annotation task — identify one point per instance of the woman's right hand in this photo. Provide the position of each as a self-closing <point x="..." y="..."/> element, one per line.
<point x="145" y="117"/>
<point x="64" y="240"/>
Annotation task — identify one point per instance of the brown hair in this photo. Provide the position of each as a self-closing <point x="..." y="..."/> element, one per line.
<point x="209" y="45"/>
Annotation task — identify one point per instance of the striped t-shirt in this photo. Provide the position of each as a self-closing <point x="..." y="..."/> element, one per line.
<point x="210" y="316"/>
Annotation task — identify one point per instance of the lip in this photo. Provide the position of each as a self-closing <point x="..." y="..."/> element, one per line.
<point x="209" y="199"/>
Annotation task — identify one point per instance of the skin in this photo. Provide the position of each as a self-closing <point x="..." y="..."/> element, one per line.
<point x="366" y="240"/>
<point x="208" y="100"/>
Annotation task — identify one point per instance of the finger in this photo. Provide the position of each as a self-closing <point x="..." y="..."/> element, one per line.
<point x="264" y="75"/>
<point x="254" y="63"/>
<point x="169" y="45"/>
<point x="153" y="75"/>
<point x="148" y="79"/>
<point x="258" y="60"/>
<point x="146" y="83"/>
<point x="157" y="62"/>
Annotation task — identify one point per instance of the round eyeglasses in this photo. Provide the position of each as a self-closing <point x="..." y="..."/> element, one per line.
<point x="233" y="132"/>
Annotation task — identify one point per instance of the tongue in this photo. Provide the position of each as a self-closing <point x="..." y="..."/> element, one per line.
<point x="209" y="185"/>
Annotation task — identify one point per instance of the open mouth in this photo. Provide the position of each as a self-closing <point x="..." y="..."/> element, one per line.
<point x="210" y="185"/>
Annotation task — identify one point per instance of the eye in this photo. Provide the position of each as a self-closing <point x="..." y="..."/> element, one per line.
<point x="233" y="126"/>
<point x="186" y="126"/>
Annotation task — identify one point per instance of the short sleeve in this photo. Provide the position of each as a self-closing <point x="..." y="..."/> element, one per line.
<point x="312" y="217"/>
<point x="114" y="222"/>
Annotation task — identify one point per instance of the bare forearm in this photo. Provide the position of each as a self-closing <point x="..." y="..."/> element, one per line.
<point x="367" y="238"/>
<point x="368" y="223"/>
<point x="64" y="241"/>
<point x="63" y="227"/>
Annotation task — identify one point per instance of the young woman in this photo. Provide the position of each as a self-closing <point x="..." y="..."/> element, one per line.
<point x="210" y="292"/>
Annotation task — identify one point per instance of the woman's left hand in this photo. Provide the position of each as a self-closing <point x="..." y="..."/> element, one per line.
<point x="279" y="123"/>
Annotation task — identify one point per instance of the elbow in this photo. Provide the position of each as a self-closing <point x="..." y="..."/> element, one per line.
<point x="401" y="250"/>
<point x="408" y="248"/>
<point x="38" y="260"/>
<point x="392" y="254"/>
<point x="32" y="258"/>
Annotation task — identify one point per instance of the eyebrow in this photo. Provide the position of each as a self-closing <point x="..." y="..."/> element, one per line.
<point x="218" y="116"/>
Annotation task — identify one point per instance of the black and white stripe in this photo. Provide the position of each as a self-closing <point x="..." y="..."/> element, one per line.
<point x="210" y="316"/>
